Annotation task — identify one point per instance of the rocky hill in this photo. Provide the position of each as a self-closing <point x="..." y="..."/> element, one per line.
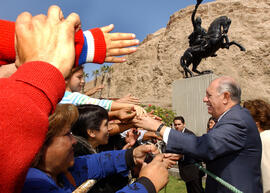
<point x="149" y="73"/>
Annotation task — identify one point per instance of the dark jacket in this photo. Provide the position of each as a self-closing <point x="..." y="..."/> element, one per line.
<point x="232" y="151"/>
<point x="187" y="170"/>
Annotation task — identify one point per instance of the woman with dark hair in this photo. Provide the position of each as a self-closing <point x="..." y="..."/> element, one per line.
<point x="260" y="111"/>
<point x="55" y="169"/>
<point x="91" y="129"/>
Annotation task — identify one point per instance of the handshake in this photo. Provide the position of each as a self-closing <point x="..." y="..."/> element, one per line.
<point x="160" y="164"/>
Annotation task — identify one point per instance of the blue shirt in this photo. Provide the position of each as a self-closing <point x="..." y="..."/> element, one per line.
<point x="95" y="166"/>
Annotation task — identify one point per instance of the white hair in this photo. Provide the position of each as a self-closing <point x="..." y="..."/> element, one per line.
<point x="227" y="84"/>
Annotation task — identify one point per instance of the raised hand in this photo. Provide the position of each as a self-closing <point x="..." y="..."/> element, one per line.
<point x="151" y="114"/>
<point x="132" y="136"/>
<point x="171" y="159"/>
<point x="129" y="99"/>
<point x="94" y="90"/>
<point x="156" y="171"/>
<point x="146" y="122"/>
<point x="47" y="38"/>
<point x="140" y="111"/>
<point x="140" y="152"/>
<point x="126" y="113"/>
<point x="117" y="44"/>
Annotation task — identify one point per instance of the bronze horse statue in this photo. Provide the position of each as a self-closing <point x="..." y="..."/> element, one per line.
<point x="215" y="38"/>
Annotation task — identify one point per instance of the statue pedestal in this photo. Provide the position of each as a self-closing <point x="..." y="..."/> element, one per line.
<point x="187" y="101"/>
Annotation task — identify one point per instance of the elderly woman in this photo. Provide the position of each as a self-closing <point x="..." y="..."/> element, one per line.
<point x="260" y="111"/>
<point x="55" y="169"/>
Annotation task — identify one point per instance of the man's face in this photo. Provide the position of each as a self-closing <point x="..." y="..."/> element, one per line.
<point x="214" y="100"/>
<point x="179" y="126"/>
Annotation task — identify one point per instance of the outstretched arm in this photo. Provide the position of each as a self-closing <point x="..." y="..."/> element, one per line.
<point x="97" y="45"/>
<point x="100" y="165"/>
<point x="194" y="12"/>
<point x="31" y="94"/>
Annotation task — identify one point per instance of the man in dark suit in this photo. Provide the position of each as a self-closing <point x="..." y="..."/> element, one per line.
<point x="189" y="173"/>
<point x="232" y="150"/>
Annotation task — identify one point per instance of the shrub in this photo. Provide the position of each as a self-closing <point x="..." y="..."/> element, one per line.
<point x="166" y="114"/>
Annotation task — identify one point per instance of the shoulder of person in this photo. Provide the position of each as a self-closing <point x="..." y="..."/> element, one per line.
<point x="188" y="131"/>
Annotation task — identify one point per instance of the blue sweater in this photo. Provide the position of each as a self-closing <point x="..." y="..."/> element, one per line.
<point x="95" y="166"/>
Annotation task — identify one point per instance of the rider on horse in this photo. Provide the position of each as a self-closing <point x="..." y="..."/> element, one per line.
<point x="197" y="37"/>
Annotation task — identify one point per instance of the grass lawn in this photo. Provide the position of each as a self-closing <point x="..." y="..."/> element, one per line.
<point x="174" y="186"/>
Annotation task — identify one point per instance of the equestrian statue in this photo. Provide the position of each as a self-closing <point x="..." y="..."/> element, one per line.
<point x="204" y="44"/>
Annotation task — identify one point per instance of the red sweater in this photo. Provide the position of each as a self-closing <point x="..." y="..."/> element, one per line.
<point x="26" y="100"/>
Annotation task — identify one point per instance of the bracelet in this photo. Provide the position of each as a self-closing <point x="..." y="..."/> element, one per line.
<point x="160" y="127"/>
<point x="158" y="130"/>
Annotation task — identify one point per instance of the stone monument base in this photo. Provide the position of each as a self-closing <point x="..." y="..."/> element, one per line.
<point x="187" y="101"/>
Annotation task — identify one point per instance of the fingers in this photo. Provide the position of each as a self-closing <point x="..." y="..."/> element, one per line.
<point x="23" y="20"/>
<point x="131" y="115"/>
<point x="74" y="21"/>
<point x="112" y="59"/>
<point x="122" y="36"/>
<point x="154" y="150"/>
<point x="118" y="44"/>
<point x="158" y="158"/>
<point x="147" y="148"/>
<point x="22" y="27"/>
<point x="151" y="148"/>
<point x="168" y="163"/>
<point x="140" y="111"/>
<point x="107" y="29"/>
<point x="172" y="156"/>
<point x="40" y="18"/>
<point x="55" y="14"/>
<point x="123" y="43"/>
<point x="128" y="109"/>
<point x="120" y="51"/>
<point x="171" y="159"/>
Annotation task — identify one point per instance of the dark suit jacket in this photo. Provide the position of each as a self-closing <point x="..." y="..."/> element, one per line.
<point x="187" y="170"/>
<point x="232" y="150"/>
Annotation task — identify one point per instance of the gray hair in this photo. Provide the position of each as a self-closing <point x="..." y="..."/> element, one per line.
<point x="227" y="84"/>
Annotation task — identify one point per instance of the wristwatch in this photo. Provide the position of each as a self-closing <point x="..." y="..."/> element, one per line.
<point x="158" y="130"/>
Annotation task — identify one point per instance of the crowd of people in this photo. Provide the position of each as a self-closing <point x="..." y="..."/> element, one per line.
<point x="54" y="138"/>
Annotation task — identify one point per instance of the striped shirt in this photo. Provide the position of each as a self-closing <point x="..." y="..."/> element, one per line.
<point x="77" y="98"/>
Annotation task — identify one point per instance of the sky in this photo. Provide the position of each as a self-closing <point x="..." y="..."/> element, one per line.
<point x="141" y="17"/>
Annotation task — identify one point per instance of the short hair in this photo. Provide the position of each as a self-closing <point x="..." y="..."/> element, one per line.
<point x="260" y="111"/>
<point x="229" y="85"/>
<point x="90" y="117"/>
<point x="179" y="118"/>
<point x="64" y="115"/>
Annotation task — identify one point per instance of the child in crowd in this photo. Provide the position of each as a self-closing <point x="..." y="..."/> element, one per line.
<point x="74" y="83"/>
